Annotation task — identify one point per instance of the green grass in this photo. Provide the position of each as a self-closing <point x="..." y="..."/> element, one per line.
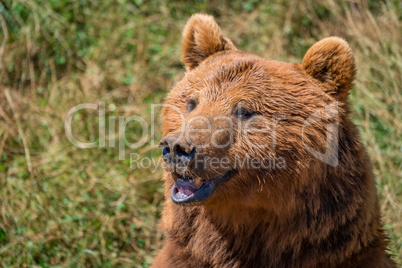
<point x="65" y="206"/>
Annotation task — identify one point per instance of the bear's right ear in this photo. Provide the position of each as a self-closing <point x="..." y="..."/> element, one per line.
<point x="202" y="38"/>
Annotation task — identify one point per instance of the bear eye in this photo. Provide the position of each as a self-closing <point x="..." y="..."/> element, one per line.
<point x="191" y="104"/>
<point x="244" y="113"/>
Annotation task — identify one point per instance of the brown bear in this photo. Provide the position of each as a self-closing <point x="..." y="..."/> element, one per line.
<point x="263" y="166"/>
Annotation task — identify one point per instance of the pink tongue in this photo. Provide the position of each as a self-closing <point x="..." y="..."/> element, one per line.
<point x="185" y="190"/>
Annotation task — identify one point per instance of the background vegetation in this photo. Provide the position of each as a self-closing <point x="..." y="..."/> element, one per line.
<point x="65" y="206"/>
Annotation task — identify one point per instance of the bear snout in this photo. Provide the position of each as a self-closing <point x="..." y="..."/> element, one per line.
<point x="177" y="151"/>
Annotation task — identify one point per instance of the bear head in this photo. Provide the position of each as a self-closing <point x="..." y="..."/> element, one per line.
<point x="238" y="124"/>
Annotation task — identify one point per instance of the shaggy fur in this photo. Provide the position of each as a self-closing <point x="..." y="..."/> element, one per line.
<point x="305" y="214"/>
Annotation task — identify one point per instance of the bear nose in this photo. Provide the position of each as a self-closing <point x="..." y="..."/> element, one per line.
<point x="176" y="151"/>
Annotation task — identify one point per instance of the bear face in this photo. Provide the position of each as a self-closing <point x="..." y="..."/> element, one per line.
<point x="245" y="120"/>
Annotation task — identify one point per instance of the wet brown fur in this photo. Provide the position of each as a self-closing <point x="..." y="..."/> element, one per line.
<point x="309" y="214"/>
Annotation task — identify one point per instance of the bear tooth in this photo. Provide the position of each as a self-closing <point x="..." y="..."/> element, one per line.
<point x="197" y="181"/>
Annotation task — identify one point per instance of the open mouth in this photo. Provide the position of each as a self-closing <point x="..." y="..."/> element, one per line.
<point x="188" y="190"/>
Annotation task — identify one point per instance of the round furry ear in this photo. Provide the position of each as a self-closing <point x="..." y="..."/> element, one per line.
<point x="202" y="38"/>
<point x="331" y="62"/>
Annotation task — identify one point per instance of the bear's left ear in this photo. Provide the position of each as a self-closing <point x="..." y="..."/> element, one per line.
<point x="331" y="62"/>
<point x="202" y="38"/>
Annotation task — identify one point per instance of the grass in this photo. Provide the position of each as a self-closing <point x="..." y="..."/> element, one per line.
<point x="65" y="206"/>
